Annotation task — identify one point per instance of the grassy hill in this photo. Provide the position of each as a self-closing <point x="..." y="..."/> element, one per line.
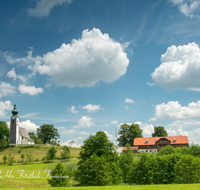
<point x="38" y="152"/>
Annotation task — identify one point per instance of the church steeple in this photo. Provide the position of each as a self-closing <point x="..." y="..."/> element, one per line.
<point x="14" y="111"/>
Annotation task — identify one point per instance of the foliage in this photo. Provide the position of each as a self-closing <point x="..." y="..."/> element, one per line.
<point x="33" y="136"/>
<point x="98" y="148"/>
<point x="11" y="160"/>
<point x="3" y="143"/>
<point x="47" y="132"/>
<point x="4" y="130"/>
<point x="187" y="170"/>
<point x="195" y="150"/>
<point x="167" y="150"/>
<point x="51" y="154"/>
<point x="53" y="142"/>
<point x="59" y="176"/>
<point x="22" y="157"/>
<point x="125" y="162"/>
<point x="95" y="171"/>
<point x="29" y="157"/>
<point x="128" y="133"/>
<point x="66" y="153"/>
<point x="141" y="171"/>
<point x="5" y="158"/>
<point x="159" y="132"/>
<point x="71" y="168"/>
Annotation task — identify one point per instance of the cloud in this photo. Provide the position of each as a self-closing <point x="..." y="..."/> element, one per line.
<point x="114" y="122"/>
<point x="6" y="89"/>
<point x="92" y="108"/>
<point x="148" y="129"/>
<point x="180" y="68"/>
<point x="110" y="137"/>
<point x="12" y="74"/>
<point x="150" y="84"/>
<point x="187" y="7"/>
<point x="72" y="109"/>
<point x="84" y="133"/>
<point x="75" y="144"/>
<point x="59" y="128"/>
<point x="126" y="107"/>
<point x="84" y="121"/>
<point x="174" y="110"/>
<point x="128" y="100"/>
<point x="70" y="131"/>
<point x="177" y="128"/>
<point x="28" y="125"/>
<point x="43" y="7"/>
<point x="31" y="90"/>
<point x="5" y="106"/>
<point x="95" y="57"/>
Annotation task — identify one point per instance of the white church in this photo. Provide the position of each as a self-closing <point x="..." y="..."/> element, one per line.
<point x="18" y="135"/>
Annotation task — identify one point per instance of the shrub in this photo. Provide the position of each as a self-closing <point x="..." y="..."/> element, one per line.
<point x="29" y="157"/>
<point x="66" y="152"/>
<point x="3" y="143"/>
<point x="51" y="154"/>
<point x="22" y="157"/>
<point x="71" y="168"/>
<point x="11" y="160"/>
<point x="59" y="176"/>
<point x="5" y="158"/>
<point x="167" y="150"/>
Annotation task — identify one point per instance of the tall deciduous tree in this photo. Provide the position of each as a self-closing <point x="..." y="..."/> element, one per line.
<point x="159" y="132"/>
<point x="128" y="133"/>
<point x="47" y="132"/>
<point x="4" y="130"/>
<point x="32" y="135"/>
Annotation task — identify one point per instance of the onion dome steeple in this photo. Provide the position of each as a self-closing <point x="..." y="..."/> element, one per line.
<point x="14" y="111"/>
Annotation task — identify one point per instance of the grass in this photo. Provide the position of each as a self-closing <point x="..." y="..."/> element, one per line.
<point x="119" y="187"/>
<point x="38" y="152"/>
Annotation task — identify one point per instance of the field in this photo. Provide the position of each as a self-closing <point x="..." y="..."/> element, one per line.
<point x="38" y="152"/>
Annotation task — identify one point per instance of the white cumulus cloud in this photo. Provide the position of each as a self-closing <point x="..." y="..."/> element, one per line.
<point x="114" y="122"/>
<point x="84" y="133"/>
<point x="31" y="90"/>
<point x="148" y="129"/>
<point x="84" y="121"/>
<point x="28" y="125"/>
<point x="95" y="57"/>
<point x="70" y="131"/>
<point x="72" y="109"/>
<point x="6" y="89"/>
<point x="43" y="7"/>
<point x="128" y="100"/>
<point x="180" y="68"/>
<point x="12" y="74"/>
<point x="92" y="108"/>
<point x="5" y="106"/>
<point x="187" y="7"/>
<point x="174" y="110"/>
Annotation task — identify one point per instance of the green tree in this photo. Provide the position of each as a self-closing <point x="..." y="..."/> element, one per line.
<point x="47" y="133"/>
<point x="66" y="153"/>
<point x="33" y="136"/>
<point x="3" y="143"/>
<point x="125" y="162"/>
<point x="5" y="158"/>
<point x="159" y="132"/>
<point x="51" y="154"/>
<point x="22" y="157"/>
<point x="29" y="157"/>
<point x="99" y="146"/>
<point x="167" y="150"/>
<point x="128" y="133"/>
<point x="4" y="132"/>
<point x="187" y="170"/>
<point x="11" y="160"/>
<point x="59" y="177"/>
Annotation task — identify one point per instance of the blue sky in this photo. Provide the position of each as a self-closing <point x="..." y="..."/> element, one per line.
<point x="88" y="66"/>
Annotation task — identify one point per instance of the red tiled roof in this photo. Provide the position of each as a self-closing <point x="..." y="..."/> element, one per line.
<point x="133" y="148"/>
<point x="152" y="140"/>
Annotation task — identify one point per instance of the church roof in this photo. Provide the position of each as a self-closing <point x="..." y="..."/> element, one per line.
<point x="24" y="134"/>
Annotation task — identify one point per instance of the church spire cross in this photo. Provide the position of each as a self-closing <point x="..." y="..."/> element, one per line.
<point x="14" y="111"/>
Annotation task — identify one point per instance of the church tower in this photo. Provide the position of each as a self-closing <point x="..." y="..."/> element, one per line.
<point x="14" y="128"/>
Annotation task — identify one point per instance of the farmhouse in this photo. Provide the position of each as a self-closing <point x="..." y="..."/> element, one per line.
<point x="154" y="144"/>
<point x="18" y="135"/>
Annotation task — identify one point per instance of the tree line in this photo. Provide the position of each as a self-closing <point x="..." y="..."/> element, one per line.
<point x="128" y="133"/>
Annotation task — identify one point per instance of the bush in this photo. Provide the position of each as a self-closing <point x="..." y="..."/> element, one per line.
<point x="167" y="150"/>
<point x="71" y="168"/>
<point x="187" y="170"/>
<point x="22" y="157"/>
<point x="3" y="143"/>
<point x="95" y="171"/>
<point x="59" y="176"/>
<point x="11" y="160"/>
<point x="66" y="152"/>
<point x="51" y="154"/>
<point x="29" y="157"/>
<point x="5" y="158"/>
